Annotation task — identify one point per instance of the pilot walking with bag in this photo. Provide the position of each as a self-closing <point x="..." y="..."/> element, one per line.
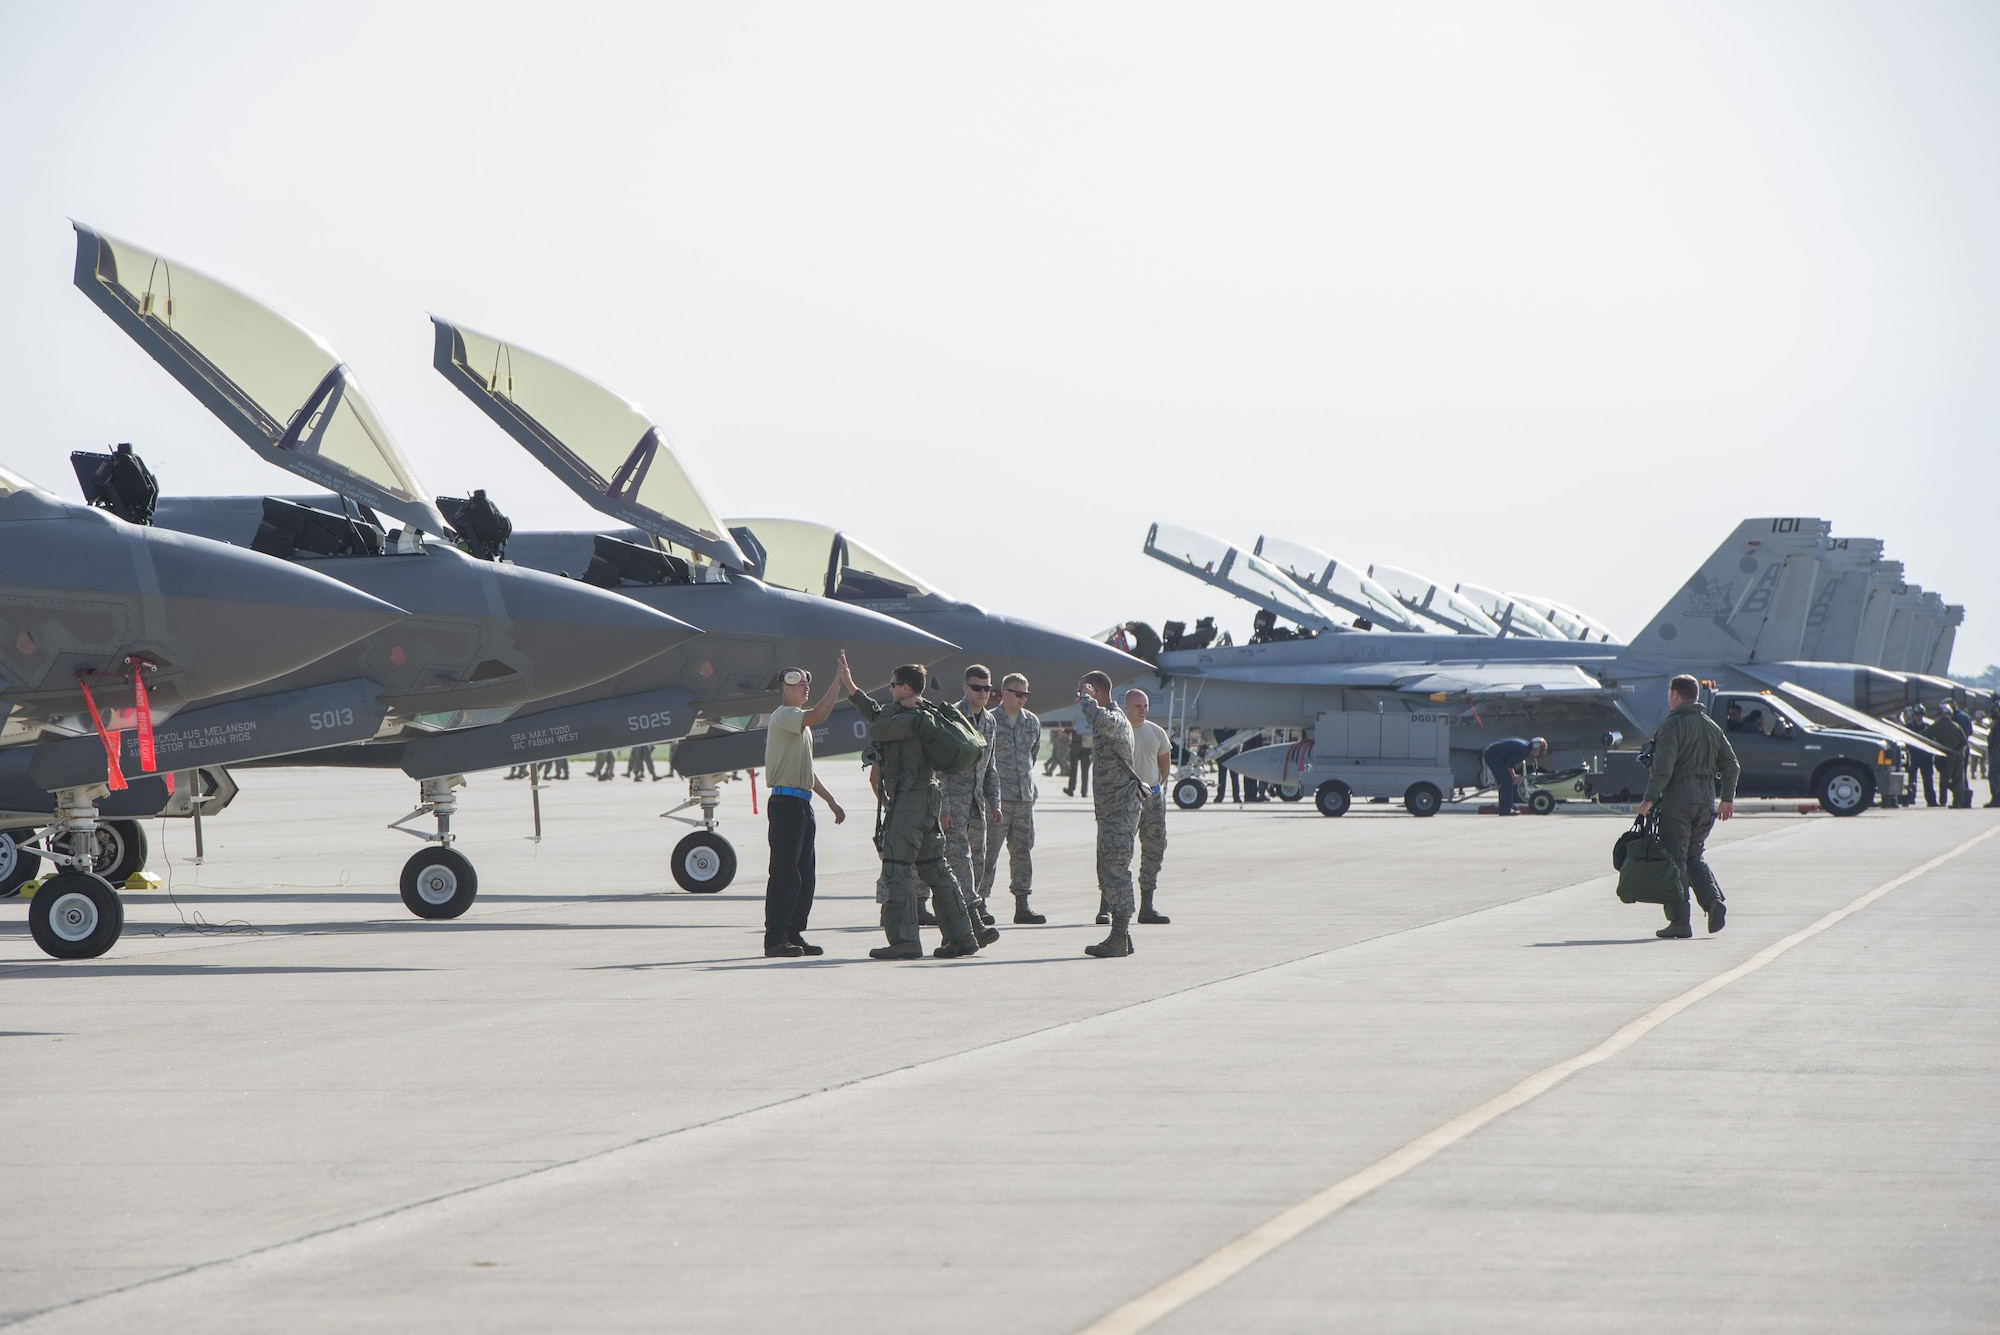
<point x="1690" y="753"/>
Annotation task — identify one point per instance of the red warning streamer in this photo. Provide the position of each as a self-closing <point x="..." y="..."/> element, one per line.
<point x="112" y="774"/>
<point x="143" y="709"/>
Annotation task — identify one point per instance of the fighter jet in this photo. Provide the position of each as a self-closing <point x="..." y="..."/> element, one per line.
<point x="1443" y="608"/>
<point x="622" y="475"/>
<point x="451" y="689"/>
<point x="680" y="559"/>
<point x="1734" y="622"/>
<point x="113" y="638"/>
<point x="1513" y="616"/>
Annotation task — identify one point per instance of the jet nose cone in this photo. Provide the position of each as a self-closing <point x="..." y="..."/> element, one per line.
<point x="574" y="635"/>
<point x="875" y="645"/>
<point x="1058" y="659"/>
<point x="244" y="618"/>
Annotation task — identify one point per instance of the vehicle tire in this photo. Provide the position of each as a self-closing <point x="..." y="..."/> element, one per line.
<point x="1289" y="792"/>
<point x="17" y="865"/>
<point x="1422" y="799"/>
<point x="1542" y="803"/>
<point x="1190" y="794"/>
<point x="1845" y="789"/>
<point x="1333" y="798"/>
<point x="120" y="853"/>
<point x="76" y="915"/>
<point x="439" y="883"/>
<point x="704" y="863"/>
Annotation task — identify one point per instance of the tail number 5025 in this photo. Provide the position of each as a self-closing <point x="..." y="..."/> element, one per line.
<point x="650" y="722"/>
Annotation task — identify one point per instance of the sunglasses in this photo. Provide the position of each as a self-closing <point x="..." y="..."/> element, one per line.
<point x="982" y="687"/>
<point x="1018" y="694"/>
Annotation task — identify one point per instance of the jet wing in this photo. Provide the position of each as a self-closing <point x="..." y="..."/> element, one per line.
<point x="602" y="447"/>
<point x="274" y="384"/>
<point x="1855" y="718"/>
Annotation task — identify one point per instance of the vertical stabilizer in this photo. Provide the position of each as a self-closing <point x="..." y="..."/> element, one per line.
<point x="1780" y="604"/>
<point x="1883" y="581"/>
<point x="1926" y="626"/>
<point x="1719" y="615"/>
<point x="1904" y="600"/>
<point x="1837" y="604"/>
<point x="1940" y="664"/>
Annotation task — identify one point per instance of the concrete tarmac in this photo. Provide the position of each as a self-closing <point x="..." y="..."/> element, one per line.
<point x="592" y="1104"/>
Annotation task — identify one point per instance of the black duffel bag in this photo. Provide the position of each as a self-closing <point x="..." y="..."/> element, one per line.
<point x="1646" y="875"/>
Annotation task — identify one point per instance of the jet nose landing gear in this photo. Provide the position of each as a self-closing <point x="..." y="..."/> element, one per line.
<point x="75" y="914"/>
<point x="704" y="862"/>
<point x="437" y="882"/>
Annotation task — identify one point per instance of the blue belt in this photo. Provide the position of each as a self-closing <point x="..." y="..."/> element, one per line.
<point x="804" y="794"/>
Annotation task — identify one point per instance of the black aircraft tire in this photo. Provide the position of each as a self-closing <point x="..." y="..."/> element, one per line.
<point x="1190" y="794"/>
<point x="704" y="863"/>
<point x="76" y="915"/>
<point x="1333" y="798"/>
<point x="439" y="883"/>
<point x="121" y="850"/>
<point x="1290" y="792"/>
<point x="17" y="865"/>
<point x="1542" y="803"/>
<point x="1423" y="799"/>
<point x="1845" y="789"/>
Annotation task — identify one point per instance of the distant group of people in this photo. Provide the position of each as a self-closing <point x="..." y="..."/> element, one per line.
<point x="940" y="836"/>
<point x="1947" y="779"/>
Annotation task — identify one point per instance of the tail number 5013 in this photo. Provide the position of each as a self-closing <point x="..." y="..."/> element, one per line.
<point x="324" y="720"/>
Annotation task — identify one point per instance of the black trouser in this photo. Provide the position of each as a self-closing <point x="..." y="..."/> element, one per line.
<point x="1684" y="831"/>
<point x="1510" y="795"/>
<point x="1225" y="779"/>
<point x="1926" y="765"/>
<point x="788" y="895"/>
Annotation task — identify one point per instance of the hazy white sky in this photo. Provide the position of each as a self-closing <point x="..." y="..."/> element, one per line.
<point x="1539" y="296"/>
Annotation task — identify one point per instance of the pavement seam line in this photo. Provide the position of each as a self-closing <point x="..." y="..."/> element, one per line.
<point x="514" y="1179"/>
<point x="1238" y="1255"/>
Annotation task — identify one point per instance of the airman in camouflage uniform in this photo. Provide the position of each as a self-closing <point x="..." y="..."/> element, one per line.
<point x="1117" y="803"/>
<point x="972" y="802"/>
<point x="1690" y="754"/>
<point x="1017" y="741"/>
<point x="1944" y="730"/>
<point x="912" y="843"/>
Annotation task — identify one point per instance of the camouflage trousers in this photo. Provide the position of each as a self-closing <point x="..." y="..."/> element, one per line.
<point x="1017" y="831"/>
<point x="967" y="844"/>
<point x="1152" y="843"/>
<point x="1117" y="825"/>
<point x="913" y="862"/>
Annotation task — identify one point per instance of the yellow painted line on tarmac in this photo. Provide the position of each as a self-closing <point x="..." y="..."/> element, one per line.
<point x="1233" y="1258"/>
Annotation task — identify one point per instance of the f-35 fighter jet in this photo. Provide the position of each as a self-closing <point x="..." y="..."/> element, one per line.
<point x="114" y="641"/>
<point x="457" y="686"/>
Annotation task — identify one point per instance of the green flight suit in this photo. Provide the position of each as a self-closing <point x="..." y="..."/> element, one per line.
<point x="913" y="853"/>
<point x="1951" y="765"/>
<point x="1690" y="753"/>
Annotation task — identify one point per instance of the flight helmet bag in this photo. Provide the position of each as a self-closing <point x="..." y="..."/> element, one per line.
<point x="1646" y="875"/>
<point x="951" y="744"/>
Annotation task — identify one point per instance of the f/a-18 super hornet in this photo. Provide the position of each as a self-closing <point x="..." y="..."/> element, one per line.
<point x="114" y="638"/>
<point x="678" y="558"/>
<point x="629" y="479"/>
<point x="455" y="687"/>
<point x="1738" y="621"/>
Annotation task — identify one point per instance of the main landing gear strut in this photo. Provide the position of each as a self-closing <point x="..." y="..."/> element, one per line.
<point x="704" y="862"/>
<point x="75" y="914"/>
<point x="437" y="882"/>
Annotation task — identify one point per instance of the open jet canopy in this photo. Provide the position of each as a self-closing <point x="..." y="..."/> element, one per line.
<point x="1433" y="601"/>
<point x="604" y="448"/>
<point x="1251" y="578"/>
<point x="813" y="558"/>
<point x="1337" y="582"/>
<point x="1513" y="616"/>
<point x="1573" y="625"/>
<point x="280" y="389"/>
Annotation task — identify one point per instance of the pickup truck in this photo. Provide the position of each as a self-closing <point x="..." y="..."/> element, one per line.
<point x="1784" y="754"/>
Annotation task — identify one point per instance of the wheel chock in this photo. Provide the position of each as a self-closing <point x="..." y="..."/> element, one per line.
<point x="142" y="880"/>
